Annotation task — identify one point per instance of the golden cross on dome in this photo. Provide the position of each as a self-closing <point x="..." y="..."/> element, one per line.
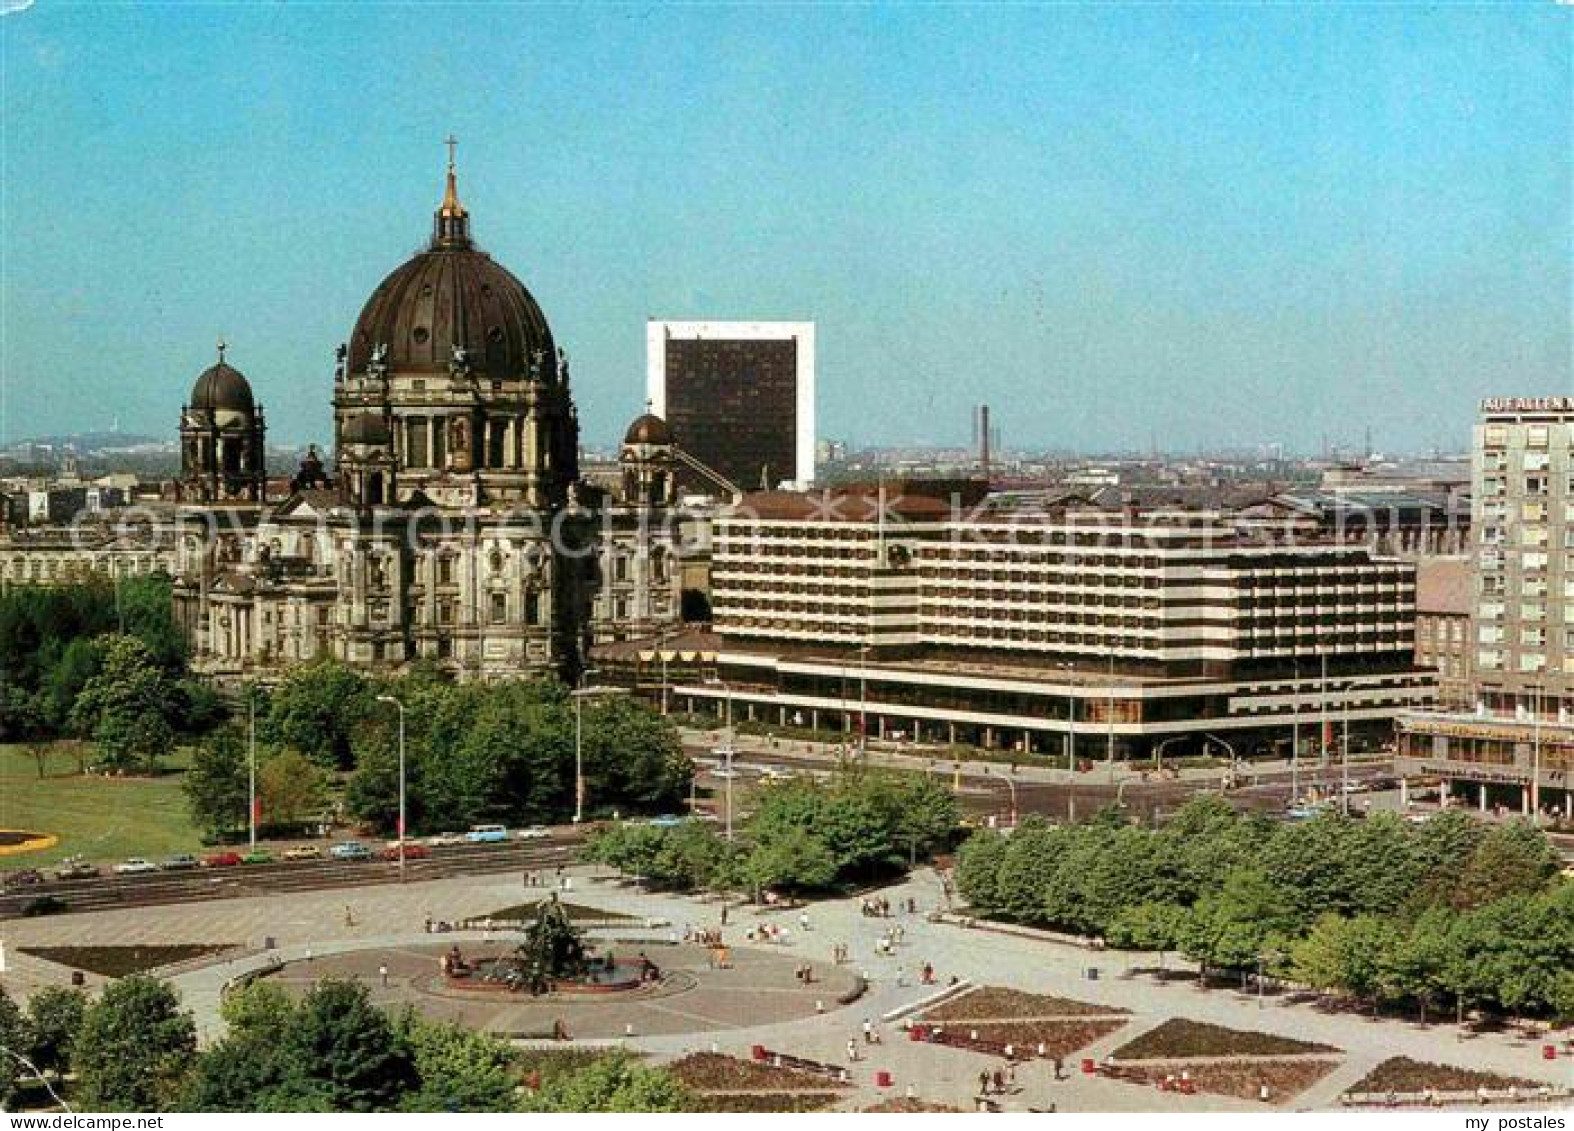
<point x="451" y="142"/>
<point x="223" y="345"/>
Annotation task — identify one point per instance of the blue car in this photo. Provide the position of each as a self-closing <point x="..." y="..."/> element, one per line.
<point x="350" y="850"/>
<point x="487" y="834"/>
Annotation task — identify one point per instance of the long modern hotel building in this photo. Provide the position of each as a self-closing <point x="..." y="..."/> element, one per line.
<point x="909" y="612"/>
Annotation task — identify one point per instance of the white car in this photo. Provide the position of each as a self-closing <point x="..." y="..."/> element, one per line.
<point x="534" y="832"/>
<point x="136" y="866"/>
<point x="445" y="840"/>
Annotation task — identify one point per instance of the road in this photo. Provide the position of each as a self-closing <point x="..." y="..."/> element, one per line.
<point x="239" y="880"/>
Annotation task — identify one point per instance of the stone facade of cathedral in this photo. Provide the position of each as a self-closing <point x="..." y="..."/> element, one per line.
<point x="453" y="527"/>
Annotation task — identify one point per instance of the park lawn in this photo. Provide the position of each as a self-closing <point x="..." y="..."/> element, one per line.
<point x="103" y="819"/>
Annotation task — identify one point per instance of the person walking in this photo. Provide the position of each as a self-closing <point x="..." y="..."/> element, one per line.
<point x="868" y="1031"/>
<point x="382" y="973"/>
<point x="852" y="1049"/>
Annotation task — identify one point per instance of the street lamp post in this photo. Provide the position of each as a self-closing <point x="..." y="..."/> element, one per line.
<point x="1295" y="733"/>
<point x="579" y="748"/>
<point x="251" y="765"/>
<point x="398" y="706"/>
<point x="1234" y="758"/>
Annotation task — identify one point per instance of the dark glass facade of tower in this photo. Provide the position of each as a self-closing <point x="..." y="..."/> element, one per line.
<point x="732" y="404"/>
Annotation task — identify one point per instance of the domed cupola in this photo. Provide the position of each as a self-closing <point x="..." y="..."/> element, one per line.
<point x="456" y="361"/>
<point x="222" y="438"/>
<point x="453" y="300"/>
<point x="649" y="462"/>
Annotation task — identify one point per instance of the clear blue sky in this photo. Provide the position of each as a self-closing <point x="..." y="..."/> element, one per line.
<point x="1204" y="225"/>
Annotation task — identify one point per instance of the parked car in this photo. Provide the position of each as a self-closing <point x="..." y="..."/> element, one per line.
<point x="534" y="832"/>
<point x="445" y="840"/>
<point x="257" y="856"/>
<point x="413" y="850"/>
<point x="180" y="862"/>
<point x="221" y="860"/>
<point x="303" y="852"/>
<point x="75" y="868"/>
<point x="487" y="834"/>
<point x="350" y="850"/>
<point x="24" y="878"/>
<point x="135" y="866"/>
<point x="665" y="821"/>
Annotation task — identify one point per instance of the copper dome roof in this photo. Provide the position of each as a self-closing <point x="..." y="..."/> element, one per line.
<point x="453" y="295"/>
<point x="222" y="387"/>
<point x="648" y="429"/>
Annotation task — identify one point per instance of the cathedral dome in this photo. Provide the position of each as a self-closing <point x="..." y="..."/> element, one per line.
<point x="453" y="295"/>
<point x="222" y="387"/>
<point x="648" y="429"/>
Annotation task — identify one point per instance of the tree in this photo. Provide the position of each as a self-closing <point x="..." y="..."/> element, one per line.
<point x="345" y="1047"/>
<point x="133" y="1047"/>
<point x="1149" y="926"/>
<point x="978" y="871"/>
<point x="613" y="1083"/>
<point x="218" y="784"/>
<point x="790" y="858"/>
<point x="39" y="752"/>
<point x="459" y="1069"/>
<point x="633" y="757"/>
<point x="14" y="1035"/>
<point x="258" y="1008"/>
<point x="247" y="1072"/>
<point x="290" y="789"/>
<point x="54" y="1018"/>
<point x="1233" y="927"/>
<point x="126" y="706"/>
<point x="1514" y="858"/>
<point x="315" y="710"/>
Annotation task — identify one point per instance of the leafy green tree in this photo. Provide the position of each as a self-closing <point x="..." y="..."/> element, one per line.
<point x="613" y="1083"/>
<point x="793" y="858"/>
<point x="258" y="1008"/>
<point x="1514" y="858"/>
<point x="459" y="1069"/>
<point x="291" y="789"/>
<point x="133" y="1047"/>
<point x="345" y="1046"/>
<point x="218" y="784"/>
<point x="79" y="662"/>
<point x="14" y="1035"/>
<point x="1022" y="872"/>
<point x="633" y="757"/>
<point x="978" y="871"/>
<point x="248" y="1072"/>
<point x="1149" y="926"/>
<point x="126" y="706"/>
<point x="315" y="710"/>
<point x="1231" y="928"/>
<point x="1444" y="845"/>
<point x="54" y="1016"/>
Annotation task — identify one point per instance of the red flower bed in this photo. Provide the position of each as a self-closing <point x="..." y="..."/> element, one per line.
<point x="1179" y="1037"/>
<point x="995" y="1003"/>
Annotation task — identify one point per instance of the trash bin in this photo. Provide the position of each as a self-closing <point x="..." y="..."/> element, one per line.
<point x="758" y="1052"/>
<point x="1089" y="1066"/>
<point x="78" y="978"/>
<point x="918" y="1033"/>
<point x="1549" y="1052"/>
<point x="882" y="1079"/>
<point x="270" y="943"/>
<point x="1093" y="973"/>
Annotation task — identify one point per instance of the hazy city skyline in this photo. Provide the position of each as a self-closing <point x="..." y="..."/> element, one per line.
<point x="1195" y="228"/>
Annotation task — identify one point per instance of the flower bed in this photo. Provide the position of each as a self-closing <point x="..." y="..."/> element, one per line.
<point x="715" y="1072"/>
<point x="995" y="1003"/>
<point x="1242" y="1079"/>
<point x="904" y="1106"/>
<point x="1401" y="1074"/>
<point x="1179" y="1037"/>
<point x="780" y="1103"/>
<point x="119" y="961"/>
<point x="1060" y="1038"/>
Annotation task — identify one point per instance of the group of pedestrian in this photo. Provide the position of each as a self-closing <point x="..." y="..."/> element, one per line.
<point x="839" y="953"/>
<point x="768" y="933"/>
<point x="876" y="907"/>
<point x="1000" y="1081"/>
<point x="804" y="974"/>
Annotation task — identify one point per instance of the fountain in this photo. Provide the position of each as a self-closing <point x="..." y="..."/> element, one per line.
<point x="553" y="959"/>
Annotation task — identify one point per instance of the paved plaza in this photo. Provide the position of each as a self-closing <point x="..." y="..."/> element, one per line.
<point x="760" y="1001"/>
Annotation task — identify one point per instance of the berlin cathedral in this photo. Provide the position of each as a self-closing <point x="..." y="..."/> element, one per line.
<point x="453" y="526"/>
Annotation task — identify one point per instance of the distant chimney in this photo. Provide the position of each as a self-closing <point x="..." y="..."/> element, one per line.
<point x="983" y="440"/>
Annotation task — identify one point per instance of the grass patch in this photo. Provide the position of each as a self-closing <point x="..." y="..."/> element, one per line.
<point x="714" y="1072"/>
<point x="119" y="961"/>
<point x="1060" y="1038"/>
<point x="1401" y="1074"/>
<point x="577" y="912"/>
<point x="1179" y="1037"/>
<point x="106" y="819"/>
<point x="995" y="1003"/>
